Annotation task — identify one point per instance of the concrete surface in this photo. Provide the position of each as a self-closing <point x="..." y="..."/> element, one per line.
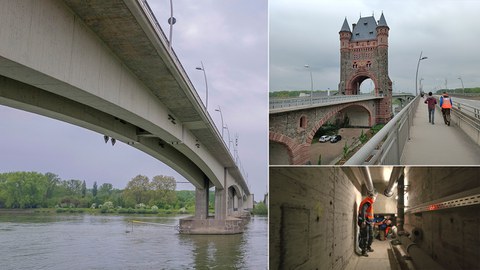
<point x="377" y="260"/>
<point x="450" y="236"/>
<point x="312" y="214"/>
<point x="438" y="144"/>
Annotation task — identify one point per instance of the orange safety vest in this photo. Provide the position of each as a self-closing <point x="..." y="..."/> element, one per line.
<point x="447" y="103"/>
<point x="369" y="213"/>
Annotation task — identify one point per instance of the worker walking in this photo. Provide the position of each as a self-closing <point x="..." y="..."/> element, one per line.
<point x="366" y="222"/>
<point x="431" y="101"/>
<point x="446" y="105"/>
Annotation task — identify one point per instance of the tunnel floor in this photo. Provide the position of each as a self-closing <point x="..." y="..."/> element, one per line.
<point x="377" y="260"/>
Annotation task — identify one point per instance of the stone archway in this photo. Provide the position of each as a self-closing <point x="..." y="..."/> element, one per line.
<point x="323" y="120"/>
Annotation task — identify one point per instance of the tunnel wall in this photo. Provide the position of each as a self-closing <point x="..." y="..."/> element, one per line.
<point x="311" y="218"/>
<point x="450" y="236"/>
<point x="383" y="204"/>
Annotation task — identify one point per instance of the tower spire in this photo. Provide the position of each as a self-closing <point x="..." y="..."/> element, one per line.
<point x="345" y="26"/>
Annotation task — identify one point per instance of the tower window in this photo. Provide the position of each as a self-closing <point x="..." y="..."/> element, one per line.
<point x="371" y="32"/>
<point x="365" y="23"/>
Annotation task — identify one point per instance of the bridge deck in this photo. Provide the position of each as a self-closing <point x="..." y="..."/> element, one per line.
<point x="438" y="144"/>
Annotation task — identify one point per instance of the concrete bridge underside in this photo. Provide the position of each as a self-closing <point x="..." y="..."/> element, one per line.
<point x="291" y="132"/>
<point x="103" y="65"/>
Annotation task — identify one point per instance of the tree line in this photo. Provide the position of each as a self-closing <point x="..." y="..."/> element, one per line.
<point x="35" y="190"/>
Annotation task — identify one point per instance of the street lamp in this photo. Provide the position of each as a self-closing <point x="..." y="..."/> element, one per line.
<point x="221" y="115"/>
<point x="460" y="78"/>
<point x="171" y="22"/>
<point x="416" y="74"/>
<point x="229" y="140"/>
<point x="311" y="83"/>
<point x="206" y="84"/>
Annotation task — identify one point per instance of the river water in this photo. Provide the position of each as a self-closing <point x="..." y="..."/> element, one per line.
<point x="114" y="242"/>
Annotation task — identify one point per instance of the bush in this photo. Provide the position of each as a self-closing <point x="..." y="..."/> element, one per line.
<point x="260" y="209"/>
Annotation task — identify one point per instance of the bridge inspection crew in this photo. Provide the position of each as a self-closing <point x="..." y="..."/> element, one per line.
<point x="446" y="105"/>
<point x="366" y="221"/>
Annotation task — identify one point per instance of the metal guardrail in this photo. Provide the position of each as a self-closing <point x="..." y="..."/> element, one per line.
<point x="386" y="147"/>
<point x="467" y="118"/>
<point x="278" y="103"/>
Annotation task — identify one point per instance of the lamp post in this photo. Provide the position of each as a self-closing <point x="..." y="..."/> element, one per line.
<point x="229" y="140"/>
<point x="221" y="115"/>
<point x="416" y="74"/>
<point x="460" y="78"/>
<point x="206" y="84"/>
<point x="311" y="83"/>
<point x="171" y="22"/>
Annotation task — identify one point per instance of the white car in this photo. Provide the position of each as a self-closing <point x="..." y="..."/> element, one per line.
<point x="324" y="138"/>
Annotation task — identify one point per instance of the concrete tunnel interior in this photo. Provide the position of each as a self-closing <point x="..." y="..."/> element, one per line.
<point x="313" y="214"/>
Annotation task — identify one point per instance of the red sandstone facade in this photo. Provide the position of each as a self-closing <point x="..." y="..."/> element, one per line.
<point x="364" y="55"/>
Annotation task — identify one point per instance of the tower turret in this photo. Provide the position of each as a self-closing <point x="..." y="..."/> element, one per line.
<point x="382" y="32"/>
<point x="345" y="35"/>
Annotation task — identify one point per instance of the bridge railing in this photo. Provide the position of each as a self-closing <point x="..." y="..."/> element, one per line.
<point x="467" y="118"/>
<point x="277" y="103"/>
<point x="386" y="147"/>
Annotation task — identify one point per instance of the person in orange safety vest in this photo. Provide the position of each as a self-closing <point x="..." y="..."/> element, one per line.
<point x="446" y="105"/>
<point x="366" y="222"/>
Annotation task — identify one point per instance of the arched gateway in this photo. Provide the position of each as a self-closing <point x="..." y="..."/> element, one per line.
<point x="364" y="55"/>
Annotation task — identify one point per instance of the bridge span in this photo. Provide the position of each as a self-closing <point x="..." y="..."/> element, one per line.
<point x="106" y="66"/>
<point x="294" y="122"/>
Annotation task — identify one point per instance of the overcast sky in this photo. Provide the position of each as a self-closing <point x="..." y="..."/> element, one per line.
<point x="306" y="32"/>
<point x="230" y="37"/>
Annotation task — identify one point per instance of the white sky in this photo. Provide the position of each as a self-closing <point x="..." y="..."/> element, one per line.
<point x="230" y="37"/>
<point x="306" y="32"/>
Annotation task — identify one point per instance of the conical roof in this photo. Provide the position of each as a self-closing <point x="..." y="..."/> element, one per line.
<point x="345" y="26"/>
<point x="382" y="21"/>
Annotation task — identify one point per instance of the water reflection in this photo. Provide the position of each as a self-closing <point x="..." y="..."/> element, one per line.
<point x="82" y="241"/>
<point x="216" y="251"/>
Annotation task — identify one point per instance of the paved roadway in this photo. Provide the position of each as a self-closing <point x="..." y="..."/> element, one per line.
<point x="438" y="144"/>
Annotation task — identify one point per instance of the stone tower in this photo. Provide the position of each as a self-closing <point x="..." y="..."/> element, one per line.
<point x="364" y="55"/>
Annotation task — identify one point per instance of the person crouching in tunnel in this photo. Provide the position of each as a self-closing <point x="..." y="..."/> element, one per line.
<point x="366" y="222"/>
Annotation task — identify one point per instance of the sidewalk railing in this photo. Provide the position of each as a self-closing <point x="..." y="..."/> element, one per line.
<point x="467" y="118"/>
<point x="386" y="147"/>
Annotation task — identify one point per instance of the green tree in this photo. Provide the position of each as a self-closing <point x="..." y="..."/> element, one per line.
<point x="84" y="189"/>
<point x="23" y="189"/>
<point x="260" y="209"/>
<point x="94" y="190"/>
<point x="73" y="187"/>
<point x="52" y="182"/>
<point x="163" y="190"/>
<point x="137" y="190"/>
<point x="105" y="190"/>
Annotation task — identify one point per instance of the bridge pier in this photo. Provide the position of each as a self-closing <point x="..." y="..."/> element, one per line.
<point x="202" y="223"/>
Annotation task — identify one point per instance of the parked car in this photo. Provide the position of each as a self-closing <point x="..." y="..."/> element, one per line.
<point x="325" y="138"/>
<point x="335" y="138"/>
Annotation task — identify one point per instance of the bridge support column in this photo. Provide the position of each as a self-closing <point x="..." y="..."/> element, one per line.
<point x="201" y="201"/>
<point x="201" y="223"/>
<point x="220" y="203"/>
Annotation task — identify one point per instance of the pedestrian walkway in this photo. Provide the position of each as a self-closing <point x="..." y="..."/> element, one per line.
<point x="438" y="144"/>
<point x="377" y="260"/>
